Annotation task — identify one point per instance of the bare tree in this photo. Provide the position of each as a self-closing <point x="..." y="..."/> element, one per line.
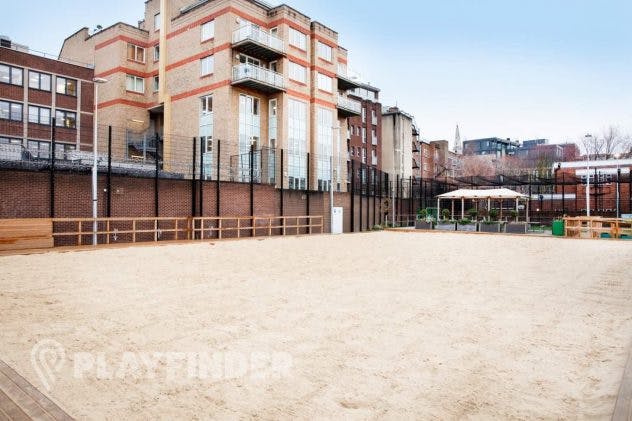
<point x="607" y="146"/>
<point x="591" y="146"/>
<point x="476" y="165"/>
<point x="613" y="142"/>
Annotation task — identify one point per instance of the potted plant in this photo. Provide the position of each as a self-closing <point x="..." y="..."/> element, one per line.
<point x="473" y="213"/>
<point x="489" y="226"/>
<point x="466" y="225"/>
<point x="493" y="214"/>
<point x="514" y="215"/>
<point x="445" y="224"/>
<point x="423" y="222"/>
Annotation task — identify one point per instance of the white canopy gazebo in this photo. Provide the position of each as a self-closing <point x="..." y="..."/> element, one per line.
<point x="489" y="195"/>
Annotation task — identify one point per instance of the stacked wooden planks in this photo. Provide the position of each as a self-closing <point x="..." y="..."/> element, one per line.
<point x="23" y="234"/>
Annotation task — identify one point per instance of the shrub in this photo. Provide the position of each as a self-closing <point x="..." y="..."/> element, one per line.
<point x="472" y="213"/>
<point x="377" y="228"/>
<point x="514" y="214"/>
<point x="493" y="214"/>
<point x="445" y="213"/>
<point x="422" y="214"/>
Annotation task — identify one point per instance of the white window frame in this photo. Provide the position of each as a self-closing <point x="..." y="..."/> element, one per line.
<point x="134" y="87"/>
<point x="156" y="83"/>
<point x="298" y="73"/>
<point x="325" y="52"/>
<point x="325" y="83"/>
<point x="157" y="22"/>
<point x="207" y="30"/>
<point x="157" y="52"/>
<point x="13" y="73"/>
<point x="137" y="49"/>
<point x="298" y="39"/>
<point x="207" y="65"/>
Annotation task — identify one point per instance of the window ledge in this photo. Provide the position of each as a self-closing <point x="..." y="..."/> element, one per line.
<point x="134" y="92"/>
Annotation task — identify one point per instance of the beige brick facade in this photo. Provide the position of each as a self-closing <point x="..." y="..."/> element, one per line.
<point x="269" y="38"/>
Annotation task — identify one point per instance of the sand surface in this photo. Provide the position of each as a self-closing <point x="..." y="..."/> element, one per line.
<point x="384" y="325"/>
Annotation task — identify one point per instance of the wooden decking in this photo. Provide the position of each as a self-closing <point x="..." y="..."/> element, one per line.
<point x="20" y="400"/>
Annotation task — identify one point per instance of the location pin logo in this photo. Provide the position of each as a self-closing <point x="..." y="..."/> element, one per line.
<point x="48" y="358"/>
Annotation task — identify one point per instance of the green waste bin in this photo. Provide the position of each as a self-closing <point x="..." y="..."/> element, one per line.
<point x="558" y="228"/>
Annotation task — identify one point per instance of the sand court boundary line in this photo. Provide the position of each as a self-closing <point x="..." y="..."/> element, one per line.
<point x="20" y="400"/>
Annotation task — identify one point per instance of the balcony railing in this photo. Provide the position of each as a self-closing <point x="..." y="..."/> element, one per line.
<point x="258" y="77"/>
<point x="349" y="106"/>
<point x="258" y="42"/>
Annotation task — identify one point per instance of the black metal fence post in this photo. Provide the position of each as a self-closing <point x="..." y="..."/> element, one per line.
<point x="217" y="187"/>
<point x="282" y="193"/>
<point x="156" y="186"/>
<point x="201" y="205"/>
<point x="52" y="168"/>
<point x="361" y="195"/>
<point x="193" y="183"/>
<point x="109" y="179"/>
<point x="307" y="186"/>
<point x="252" y="181"/>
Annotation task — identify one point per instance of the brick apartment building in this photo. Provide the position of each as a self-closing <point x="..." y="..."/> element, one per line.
<point x="609" y="179"/>
<point x="239" y="71"/>
<point x="434" y="160"/>
<point x="34" y="90"/>
<point x="364" y="131"/>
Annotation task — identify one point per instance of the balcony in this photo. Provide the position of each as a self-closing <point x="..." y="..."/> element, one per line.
<point x="345" y="83"/>
<point x="348" y="107"/>
<point x="258" y="78"/>
<point x="255" y="42"/>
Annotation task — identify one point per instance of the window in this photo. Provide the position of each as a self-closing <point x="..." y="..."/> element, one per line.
<point x="135" y="84"/>
<point x="374" y="117"/>
<point x="157" y="53"/>
<point x="208" y="30"/>
<point x="364" y="135"/>
<point x="364" y="155"/>
<point x="325" y="51"/>
<point x="363" y="115"/>
<point x="206" y="65"/>
<point x="66" y="86"/>
<point x="10" y="111"/>
<point x="135" y="53"/>
<point x="298" y="39"/>
<point x="39" y="80"/>
<point x="66" y="119"/>
<point x="156" y="84"/>
<point x="325" y="83"/>
<point x="10" y="141"/>
<point x="325" y="123"/>
<point x="10" y="74"/>
<point x="39" y="149"/>
<point x="297" y="144"/>
<point x="157" y="22"/>
<point x="298" y="73"/>
<point x="39" y="115"/>
<point x="207" y="104"/>
<point x="275" y="31"/>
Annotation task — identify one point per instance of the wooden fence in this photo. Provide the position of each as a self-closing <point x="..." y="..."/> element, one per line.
<point x="597" y="227"/>
<point x="20" y="234"/>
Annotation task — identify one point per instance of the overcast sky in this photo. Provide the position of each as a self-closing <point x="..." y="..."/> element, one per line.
<point x="509" y="68"/>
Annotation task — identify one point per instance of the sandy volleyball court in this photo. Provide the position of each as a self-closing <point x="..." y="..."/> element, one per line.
<point x="384" y="325"/>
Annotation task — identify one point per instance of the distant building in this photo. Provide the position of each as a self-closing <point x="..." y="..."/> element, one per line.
<point x="364" y="135"/>
<point x="34" y="90"/>
<point x="490" y="146"/>
<point x="398" y="130"/>
<point x="434" y="160"/>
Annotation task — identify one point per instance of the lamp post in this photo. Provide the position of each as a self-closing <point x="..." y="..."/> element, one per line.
<point x="97" y="81"/>
<point x="334" y="129"/>
<point x="589" y="139"/>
